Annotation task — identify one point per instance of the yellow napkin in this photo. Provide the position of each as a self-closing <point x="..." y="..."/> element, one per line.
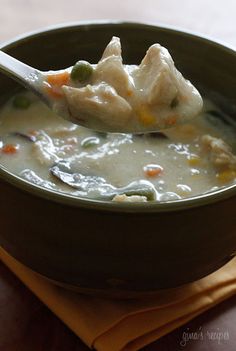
<point x="128" y="325"/>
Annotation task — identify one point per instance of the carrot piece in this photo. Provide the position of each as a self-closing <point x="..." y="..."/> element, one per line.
<point x="153" y="170"/>
<point x="58" y="79"/>
<point x="9" y="149"/>
<point x="54" y="82"/>
<point x="171" y="121"/>
<point x="53" y="92"/>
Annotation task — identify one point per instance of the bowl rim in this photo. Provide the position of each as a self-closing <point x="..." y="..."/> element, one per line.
<point x="101" y="205"/>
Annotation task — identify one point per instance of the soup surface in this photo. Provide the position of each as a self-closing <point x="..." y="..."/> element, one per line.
<point x="181" y="162"/>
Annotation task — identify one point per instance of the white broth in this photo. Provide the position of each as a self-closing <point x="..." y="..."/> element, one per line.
<point x="181" y="162"/>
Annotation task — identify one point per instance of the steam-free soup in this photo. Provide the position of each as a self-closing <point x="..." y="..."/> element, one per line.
<point x="180" y="162"/>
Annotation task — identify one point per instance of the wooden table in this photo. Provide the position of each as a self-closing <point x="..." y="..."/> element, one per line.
<point x="25" y="323"/>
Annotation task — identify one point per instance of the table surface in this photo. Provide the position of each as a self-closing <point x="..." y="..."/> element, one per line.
<point x="25" y="323"/>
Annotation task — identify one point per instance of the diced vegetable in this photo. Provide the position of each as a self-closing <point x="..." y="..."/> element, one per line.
<point x="145" y="116"/>
<point x="21" y="102"/>
<point x="54" y="83"/>
<point x="54" y="92"/>
<point x="194" y="160"/>
<point x="152" y="170"/>
<point x="132" y="198"/>
<point x="9" y="149"/>
<point x="226" y="176"/>
<point x="81" y="72"/>
<point x="58" y="79"/>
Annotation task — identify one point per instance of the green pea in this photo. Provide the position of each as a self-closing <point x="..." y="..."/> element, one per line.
<point x="89" y="142"/>
<point x="81" y="72"/>
<point x="21" y="102"/>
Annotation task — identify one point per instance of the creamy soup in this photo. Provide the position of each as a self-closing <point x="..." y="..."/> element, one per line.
<point x="180" y="162"/>
<point x="116" y="97"/>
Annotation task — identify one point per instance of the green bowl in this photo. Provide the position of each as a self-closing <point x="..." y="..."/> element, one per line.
<point x="111" y="248"/>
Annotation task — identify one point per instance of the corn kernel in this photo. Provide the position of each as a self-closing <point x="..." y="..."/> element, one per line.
<point x="194" y="160"/>
<point x="129" y="92"/>
<point x="226" y="176"/>
<point x="145" y="116"/>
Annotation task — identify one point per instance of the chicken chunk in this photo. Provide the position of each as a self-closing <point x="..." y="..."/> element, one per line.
<point x="99" y="106"/>
<point x="163" y="90"/>
<point x="220" y="153"/>
<point x="131" y="98"/>
<point x="132" y="198"/>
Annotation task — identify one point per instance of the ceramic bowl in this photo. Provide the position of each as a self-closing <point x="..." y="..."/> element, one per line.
<point x="111" y="248"/>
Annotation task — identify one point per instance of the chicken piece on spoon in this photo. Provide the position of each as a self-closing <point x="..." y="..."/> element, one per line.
<point x="111" y="96"/>
<point x="129" y="98"/>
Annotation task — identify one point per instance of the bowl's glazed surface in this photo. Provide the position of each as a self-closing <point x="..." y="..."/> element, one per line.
<point x="120" y="248"/>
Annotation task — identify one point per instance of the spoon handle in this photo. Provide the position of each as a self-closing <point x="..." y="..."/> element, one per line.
<point x="24" y="74"/>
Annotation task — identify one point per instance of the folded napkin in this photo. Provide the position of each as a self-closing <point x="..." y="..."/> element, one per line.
<point x="128" y="325"/>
